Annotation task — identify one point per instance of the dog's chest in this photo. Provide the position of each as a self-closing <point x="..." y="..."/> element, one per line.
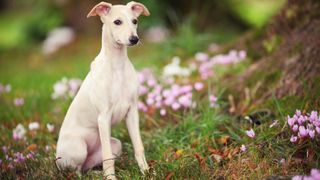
<point x="123" y="94"/>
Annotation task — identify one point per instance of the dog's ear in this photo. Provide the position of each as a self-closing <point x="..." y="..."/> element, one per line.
<point x="100" y="9"/>
<point x="138" y="8"/>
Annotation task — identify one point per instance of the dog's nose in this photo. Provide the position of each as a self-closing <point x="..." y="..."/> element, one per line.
<point x="134" y="40"/>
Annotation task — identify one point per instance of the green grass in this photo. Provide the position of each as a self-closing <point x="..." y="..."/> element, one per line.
<point x="186" y="145"/>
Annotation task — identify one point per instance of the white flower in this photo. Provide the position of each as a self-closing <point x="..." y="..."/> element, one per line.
<point x="201" y="57"/>
<point x="19" y="132"/>
<point x="60" y="88"/>
<point x="50" y="127"/>
<point x="56" y="39"/>
<point x="34" y="126"/>
<point x="65" y="88"/>
<point x="174" y="69"/>
<point x="275" y="123"/>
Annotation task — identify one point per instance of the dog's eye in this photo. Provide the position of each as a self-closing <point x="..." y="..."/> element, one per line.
<point x="134" y="21"/>
<point x="117" y="22"/>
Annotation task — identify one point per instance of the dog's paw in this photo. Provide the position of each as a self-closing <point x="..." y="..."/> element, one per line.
<point x="110" y="177"/>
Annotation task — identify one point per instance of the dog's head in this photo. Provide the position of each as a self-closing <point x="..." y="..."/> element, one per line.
<point x="121" y="20"/>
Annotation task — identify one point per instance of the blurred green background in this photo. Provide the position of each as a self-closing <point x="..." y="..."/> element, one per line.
<point x="28" y="22"/>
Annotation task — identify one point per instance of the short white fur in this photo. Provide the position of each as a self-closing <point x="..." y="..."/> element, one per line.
<point x="108" y="94"/>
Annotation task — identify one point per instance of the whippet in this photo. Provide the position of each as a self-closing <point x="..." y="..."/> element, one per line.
<point x="108" y="94"/>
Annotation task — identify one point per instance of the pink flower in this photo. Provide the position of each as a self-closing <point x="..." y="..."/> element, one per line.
<point x="303" y="131"/>
<point x="201" y="57"/>
<point x="295" y="128"/>
<point x="18" y="102"/>
<point x="47" y="148"/>
<point x="242" y="54"/>
<point x="163" y="112"/>
<point x="143" y="90"/>
<point x="312" y="133"/>
<point x="198" y="86"/>
<point x="213" y="100"/>
<point x="29" y="155"/>
<point x="313" y="116"/>
<point x="175" y="106"/>
<point x="291" y="121"/>
<point x="186" y="89"/>
<point x="142" y="106"/>
<point x="251" y="133"/>
<point x="19" y="132"/>
<point x="151" y="82"/>
<point x="169" y="101"/>
<point x="293" y="139"/>
<point x="318" y="130"/>
<point x="243" y="148"/>
<point x="315" y="173"/>
<point x="150" y="101"/>
<point x="185" y="101"/>
<point x="298" y="112"/>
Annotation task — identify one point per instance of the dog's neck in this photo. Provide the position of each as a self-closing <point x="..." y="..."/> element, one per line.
<point x="110" y="49"/>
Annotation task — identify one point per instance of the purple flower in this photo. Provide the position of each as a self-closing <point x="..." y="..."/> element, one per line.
<point x="303" y="132"/>
<point x="19" y="158"/>
<point x="313" y="116"/>
<point x="298" y="112"/>
<point x="30" y="155"/>
<point x="295" y="128"/>
<point x="312" y="133"/>
<point x="251" y="133"/>
<point x="243" y="148"/>
<point x="18" y="102"/>
<point x="5" y="149"/>
<point x="318" y="130"/>
<point x="297" y="178"/>
<point x="291" y="121"/>
<point x="315" y="173"/>
<point x="293" y="139"/>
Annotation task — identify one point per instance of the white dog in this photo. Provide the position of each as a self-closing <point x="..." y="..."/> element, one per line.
<point x="108" y="94"/>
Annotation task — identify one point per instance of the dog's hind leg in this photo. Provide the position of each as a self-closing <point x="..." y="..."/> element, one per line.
<point x="96" y="158"/>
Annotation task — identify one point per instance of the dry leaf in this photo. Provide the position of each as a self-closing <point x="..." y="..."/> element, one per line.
<point x="168" y="177"/>
<point x="217" y="157"/>
<point x="223" y="140"/>
<point x="32" y="147"/>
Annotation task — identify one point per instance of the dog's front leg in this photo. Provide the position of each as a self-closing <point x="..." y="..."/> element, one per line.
<point x="132" y="122"/>
<point x="104" y="123"/>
